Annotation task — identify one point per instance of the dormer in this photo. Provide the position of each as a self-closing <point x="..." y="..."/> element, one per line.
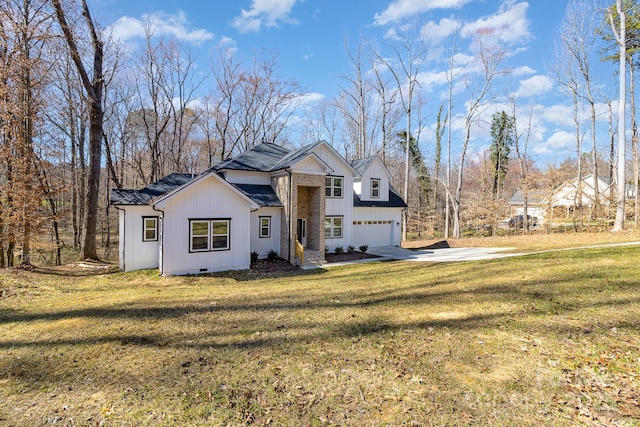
<point x="373" y="182"/>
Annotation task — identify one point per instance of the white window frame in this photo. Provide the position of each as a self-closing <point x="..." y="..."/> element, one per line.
<point x="210" y="236"/>
<point x="375" y="189"/>
<point x="331" y="230"/>
<point x="145" y="228"/>
<point x="262" y="227"/>
<point x="331" y="188"/>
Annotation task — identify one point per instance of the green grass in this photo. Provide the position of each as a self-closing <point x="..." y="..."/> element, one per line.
<point x="547" y="339"/>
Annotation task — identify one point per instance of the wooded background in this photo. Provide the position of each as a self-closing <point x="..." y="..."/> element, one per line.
<point x="81" y="114"/>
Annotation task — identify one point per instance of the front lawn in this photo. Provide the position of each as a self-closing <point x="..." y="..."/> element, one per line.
<point x="547" y="339"/>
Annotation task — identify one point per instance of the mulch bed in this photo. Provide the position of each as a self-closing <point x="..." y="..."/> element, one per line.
<point x="266" y="267"/>
<point x="343" y="257"/>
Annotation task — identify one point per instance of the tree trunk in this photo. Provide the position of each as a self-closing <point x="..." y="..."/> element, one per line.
<point x="93" y="87"/>
<point x="621" y="175"/>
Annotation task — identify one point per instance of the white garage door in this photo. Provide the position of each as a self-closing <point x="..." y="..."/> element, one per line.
<point x="373" y="233"/>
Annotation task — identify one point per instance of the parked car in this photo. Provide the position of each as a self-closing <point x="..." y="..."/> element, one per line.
<point x="518" y="221"/>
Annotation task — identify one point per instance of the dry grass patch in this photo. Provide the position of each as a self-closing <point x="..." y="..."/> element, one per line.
<point x="548" y="339"/>
<point x="537" y="241"/>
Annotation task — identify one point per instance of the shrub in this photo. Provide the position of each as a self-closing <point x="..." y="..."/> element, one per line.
<point x="350" y="249"/>
<point x="363" y="248"/>
<point x="339" y="250"/>
<point x="254" y="257"/>
<point x="272" y="255"/>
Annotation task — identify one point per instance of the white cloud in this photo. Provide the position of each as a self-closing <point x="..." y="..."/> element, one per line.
<point x="535" y="85"/>
<point x="159" y="24"/>
<point x="311" y="98"/>
<point x="436" y="32"/>
<point x="400" y="9"/>
<point x="561" y="115"/>
<point x="264" y="12"/>
<point x="509" y="24"/>
<point x="559" y="141"/>
<point x="429" y="80"/>
<point x="522" y="71"/>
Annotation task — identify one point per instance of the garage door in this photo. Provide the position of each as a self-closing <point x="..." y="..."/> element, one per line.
<point x="373" y="233"/>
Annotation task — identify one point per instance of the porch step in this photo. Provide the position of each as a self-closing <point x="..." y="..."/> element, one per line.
<point x="312" y="259"/>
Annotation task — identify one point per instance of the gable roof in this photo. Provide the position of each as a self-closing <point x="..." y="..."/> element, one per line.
<point x="533" y="197"/>
<point x="261" y="158"/>
<point x="162" y="200"/>
<point x="268" y="157"/>
<point x="361" y="165"/>
<point x="145" y="195"/>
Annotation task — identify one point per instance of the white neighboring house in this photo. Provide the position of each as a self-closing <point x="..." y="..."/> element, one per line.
<point x="566" y="195"/>
<point x="263" y="200"/>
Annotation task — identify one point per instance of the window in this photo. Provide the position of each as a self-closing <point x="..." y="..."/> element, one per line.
<point x="149" y="228"/>
<point x="333" y="186"/>
<point x="375" y="187"/>
<point x="209" y="235"/>
<point x="332" y="227"/>
<point x="265" y="226"/>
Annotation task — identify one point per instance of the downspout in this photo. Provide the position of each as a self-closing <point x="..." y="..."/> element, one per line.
<point x="290" y="212"/>
<point x="124" y="242"/>
<point x="161" y="241"/>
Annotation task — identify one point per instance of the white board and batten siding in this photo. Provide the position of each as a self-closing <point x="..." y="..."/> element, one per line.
<point x="376" y="170"/>
<point x="377" y="226"/>
<point x="259" y="242"/>
<point x="339" y="206"/>
<point x="209" y="198"/>
<point x="134" y="252"/>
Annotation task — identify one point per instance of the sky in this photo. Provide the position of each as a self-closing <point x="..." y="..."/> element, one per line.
<point x="309" y="36"/>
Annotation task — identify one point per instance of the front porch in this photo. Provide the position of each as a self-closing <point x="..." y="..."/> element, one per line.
<point x="307" y="220"/>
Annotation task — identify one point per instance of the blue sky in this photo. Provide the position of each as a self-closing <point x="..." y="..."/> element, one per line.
<point x="309" y="36"/>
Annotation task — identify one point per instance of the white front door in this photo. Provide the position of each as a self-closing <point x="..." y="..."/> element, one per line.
<point x="302" y="231"/>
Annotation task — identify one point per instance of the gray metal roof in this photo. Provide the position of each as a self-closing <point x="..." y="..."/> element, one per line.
<point x="145" y="195"/>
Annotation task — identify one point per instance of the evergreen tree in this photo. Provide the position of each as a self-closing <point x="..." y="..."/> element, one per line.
<point x="502" y="141"/>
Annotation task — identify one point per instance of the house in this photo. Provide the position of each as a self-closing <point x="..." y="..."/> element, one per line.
<point x="536" y="204"/>
<point x="265" y="199"/>
<point x="567" y="196"/>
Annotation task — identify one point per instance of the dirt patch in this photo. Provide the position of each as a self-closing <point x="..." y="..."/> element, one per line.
<point x="78" y="268"/>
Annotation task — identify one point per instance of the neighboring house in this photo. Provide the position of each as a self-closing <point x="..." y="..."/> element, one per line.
<point x="535" y="204"/>
<point x="263" y="200"/>
<point x="566" y="195"/>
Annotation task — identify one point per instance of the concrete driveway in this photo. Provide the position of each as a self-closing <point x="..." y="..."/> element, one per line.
<point x="438" y="255"/>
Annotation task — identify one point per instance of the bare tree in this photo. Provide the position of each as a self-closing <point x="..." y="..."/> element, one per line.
<point x="356" y="103"/>
<point x="490" y="57"/>
<point x="521" y="145"/>
<point x="25" y="27"/>
<point x="408" y="57"/>
<point x="93" y="85"/>
<point x="619" y="30"/>
<point x="567" y="76"/>
<point x="578" y="37"/>
<point x="252" y="105"/>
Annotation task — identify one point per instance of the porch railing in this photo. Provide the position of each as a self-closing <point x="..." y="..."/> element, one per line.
<point x="300" y="252"/>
